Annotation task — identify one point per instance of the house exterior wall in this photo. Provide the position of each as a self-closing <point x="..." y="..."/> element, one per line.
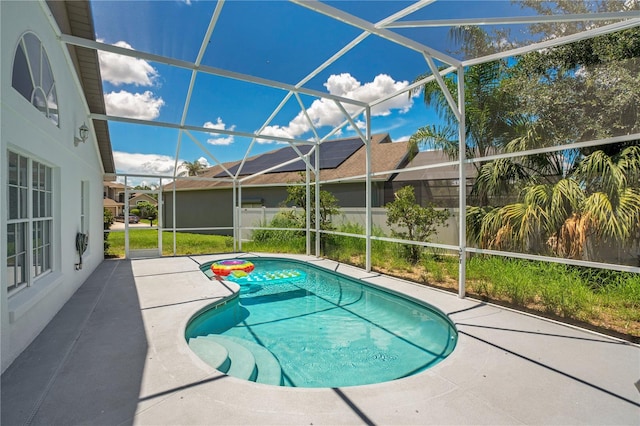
<point x="115" y="193"/>
<point x="354" y="195"/>
<point x="25" y="130"/>
<point x="199" y="209"/>
<point x="133" y="201"/>
<point x="212" y="208"/>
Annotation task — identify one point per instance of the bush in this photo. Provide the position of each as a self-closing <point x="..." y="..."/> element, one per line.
<point x="420" y="222"/>
<point x="280" y="220"/>
<point x="108" y="221"/>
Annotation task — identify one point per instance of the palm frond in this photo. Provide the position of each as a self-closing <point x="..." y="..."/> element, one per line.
<point x="629" y="164"/>
<point x="474" y="218"/>
<point x="436" y="137"/>
<point x="571" y="238"/>
<point x="628" y="211"/>
<point x="566" y="198"/>
<point x="599" y="173"/>
<point x="497" y="177"/>
<point x="598" y="209"/>
<point x="537" y="194"/>
<point x="495" y="231"/>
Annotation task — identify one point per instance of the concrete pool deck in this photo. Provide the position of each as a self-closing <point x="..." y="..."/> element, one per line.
<point x="116" y="354"/>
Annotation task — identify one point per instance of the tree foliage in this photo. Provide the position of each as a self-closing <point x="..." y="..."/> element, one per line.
<point x="488" y="113"/>
<point x="148" y="211"/>
<point x="570" y="200"/>
<point x="192" y="168"/>
<point x="417" y="223"/>
<point x="297" y="196"/>
<point x="598" y="202"/>
<point x="585" y="90"/>
<point x="107" y="218"/>
<point x="107" y="222"/>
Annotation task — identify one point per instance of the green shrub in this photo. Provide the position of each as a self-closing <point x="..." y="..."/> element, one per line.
<point x="280" y="220"/>
<point x="417" y="223"/>
<point x="108" y="221"/>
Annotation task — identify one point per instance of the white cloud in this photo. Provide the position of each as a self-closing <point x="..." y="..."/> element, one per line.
<point x="324" y="112"/>
<point x="382" y="85"/>
<point x="204" y="162"/>
<point x="219" y="139"/>
<point x="147" y="164"/>
<point x="142" y="106"/>
<point x="150" y="164"/>
<point x="119" y="69"/>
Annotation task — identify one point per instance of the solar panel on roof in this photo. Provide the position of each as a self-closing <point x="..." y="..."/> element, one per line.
<point x="332" y="154"/>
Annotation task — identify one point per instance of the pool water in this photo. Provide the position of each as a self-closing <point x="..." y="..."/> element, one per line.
<point x="328" y="330"/>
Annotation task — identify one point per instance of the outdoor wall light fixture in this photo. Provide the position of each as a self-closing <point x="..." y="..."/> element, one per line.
<point x="83" y="134"/>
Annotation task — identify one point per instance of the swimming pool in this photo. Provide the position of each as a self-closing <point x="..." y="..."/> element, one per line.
<point x="305" y="326"/>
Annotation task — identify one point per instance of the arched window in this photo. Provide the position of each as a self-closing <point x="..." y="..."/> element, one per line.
<point x="32" y="76"/>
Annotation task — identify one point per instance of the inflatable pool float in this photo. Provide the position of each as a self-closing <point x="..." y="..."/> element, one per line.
<point x="268" y="276"/>
<point x="225" y="267"/>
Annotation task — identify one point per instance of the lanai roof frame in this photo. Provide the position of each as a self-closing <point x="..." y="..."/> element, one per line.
<point x="383" y="28"/>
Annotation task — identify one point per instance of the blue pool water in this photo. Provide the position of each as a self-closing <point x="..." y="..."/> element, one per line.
<point x="326" y="329"/>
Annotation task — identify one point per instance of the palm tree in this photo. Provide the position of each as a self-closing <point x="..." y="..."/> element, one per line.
<point x="193" y="168"/>
<point x="487" y="112"/>
<point x="599" y="201"/>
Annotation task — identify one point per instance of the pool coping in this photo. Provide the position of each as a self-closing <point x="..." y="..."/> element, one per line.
<point x="508" y="367"/>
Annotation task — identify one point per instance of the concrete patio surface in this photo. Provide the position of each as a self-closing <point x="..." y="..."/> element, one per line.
<point x="116" y="354"/>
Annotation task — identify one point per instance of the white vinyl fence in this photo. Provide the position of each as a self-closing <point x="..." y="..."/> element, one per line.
<point x="258" y="216"/>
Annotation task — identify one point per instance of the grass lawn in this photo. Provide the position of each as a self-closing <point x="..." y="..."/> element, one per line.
<point x="186" y="243"/>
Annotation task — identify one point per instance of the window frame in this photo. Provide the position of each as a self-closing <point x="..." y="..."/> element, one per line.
<point x="39" y="76"/>
<point x="84" y="206"/>
<point x="34" y="228"/>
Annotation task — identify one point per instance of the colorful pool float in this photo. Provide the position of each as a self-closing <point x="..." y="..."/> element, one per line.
<point x="269" y="276"/>
<point x="225" y="267"/>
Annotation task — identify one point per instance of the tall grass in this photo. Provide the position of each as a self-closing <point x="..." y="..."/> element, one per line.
<point x="385" y="256"/>
<point x="277" y="241"/>
<point x="567" y="291"/>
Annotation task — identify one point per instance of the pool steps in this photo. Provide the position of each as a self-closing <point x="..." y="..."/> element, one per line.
<point x="211" y="352"/>
<point x="238" y="358"/>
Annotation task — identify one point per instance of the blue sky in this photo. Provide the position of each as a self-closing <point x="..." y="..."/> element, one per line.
<point x="275" y="40"/>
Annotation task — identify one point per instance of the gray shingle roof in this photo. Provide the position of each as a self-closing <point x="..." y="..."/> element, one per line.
<point x="387" y="155"/>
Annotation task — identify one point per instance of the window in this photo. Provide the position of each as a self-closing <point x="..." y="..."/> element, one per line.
<point x="30" y="197"/>
<point x="33" y="78"/>
<point x="84" y="207"/>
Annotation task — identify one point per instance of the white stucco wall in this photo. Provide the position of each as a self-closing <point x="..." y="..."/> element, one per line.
<point x="27" y="131"/>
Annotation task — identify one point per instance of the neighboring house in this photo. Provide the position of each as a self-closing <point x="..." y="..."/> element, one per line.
<point x="114" y="191"/>
<point x="113" y="197"/>
<point x="116" y="209"/>
<point x="204" y="203"/>
<point x="136" y="199"/>
<point x="51" y="166"/>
